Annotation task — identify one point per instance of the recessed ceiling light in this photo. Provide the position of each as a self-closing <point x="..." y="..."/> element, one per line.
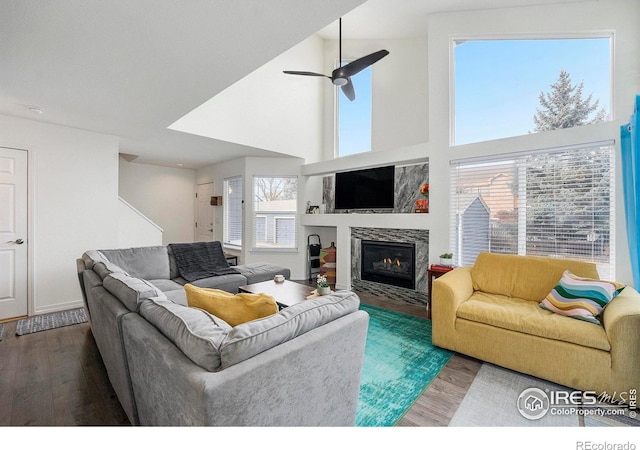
<point x="36" y="110"/>
<point x="180" y="165"/>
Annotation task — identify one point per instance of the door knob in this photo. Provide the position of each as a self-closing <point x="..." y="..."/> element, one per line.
<point x="19" y="241"/>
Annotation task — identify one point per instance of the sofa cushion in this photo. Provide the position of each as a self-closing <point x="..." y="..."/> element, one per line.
<point x="194" y="331"/>
<point x="129" y="290"/>
<point x="229" y="283"/>
<point x="251" y="338"/>
<point x="165" y="285"/>
<point x="525" y="316"/>
<point x="96" y="261"/>
<point x="259" y="272"/>
<point x="526" y="277"/>
<point x="178" y="296"/>
<point x="106" y="268"/>
<point x="148" y="263"/>
<point x="232" y="308"/>
<point x="581" y="298"/>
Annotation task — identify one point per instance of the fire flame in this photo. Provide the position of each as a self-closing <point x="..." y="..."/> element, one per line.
<point x="391" y="261"/>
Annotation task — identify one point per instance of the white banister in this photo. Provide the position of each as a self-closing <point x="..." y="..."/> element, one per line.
<point x="135" y="229"/>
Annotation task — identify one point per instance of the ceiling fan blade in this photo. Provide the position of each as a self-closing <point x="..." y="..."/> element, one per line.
<point x="348" y="90"/>
<point x="310" y="74"/>
<point x="359" y="64"/>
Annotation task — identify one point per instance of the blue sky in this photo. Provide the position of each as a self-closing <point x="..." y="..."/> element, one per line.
<point x="497" y="82"/>
<point x="355" y="116"/>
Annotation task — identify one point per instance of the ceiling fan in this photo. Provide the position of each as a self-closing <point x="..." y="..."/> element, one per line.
<point x="342" y="75"/>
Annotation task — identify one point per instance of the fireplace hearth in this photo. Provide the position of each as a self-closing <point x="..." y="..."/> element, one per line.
<point x="391" y="263"/>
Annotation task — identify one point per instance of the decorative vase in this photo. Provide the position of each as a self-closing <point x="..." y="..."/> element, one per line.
<point x="446" y="261"/>
<point x="328" y="263"/>
<point x="324" y="290"/>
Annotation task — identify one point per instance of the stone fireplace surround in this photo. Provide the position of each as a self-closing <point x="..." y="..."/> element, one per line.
<point x="421" y="240"/>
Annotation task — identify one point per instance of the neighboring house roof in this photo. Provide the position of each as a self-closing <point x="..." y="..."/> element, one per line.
<point x="466" y="200"/>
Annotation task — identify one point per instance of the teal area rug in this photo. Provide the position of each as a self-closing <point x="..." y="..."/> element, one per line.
<point x="399" y="364"/>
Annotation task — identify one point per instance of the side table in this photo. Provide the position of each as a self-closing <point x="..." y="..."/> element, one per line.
<point x="432" y="273"/>
<point x="231" y="259"/>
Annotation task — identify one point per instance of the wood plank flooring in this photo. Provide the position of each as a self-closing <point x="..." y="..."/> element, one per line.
<point x="57" y="378"/>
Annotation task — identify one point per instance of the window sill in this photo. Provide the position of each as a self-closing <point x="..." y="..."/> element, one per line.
<point x="273" y="250"/>
<point x="232" y="248"/>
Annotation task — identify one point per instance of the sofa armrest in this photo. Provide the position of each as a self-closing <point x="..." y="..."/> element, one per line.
<point x="449" y="292"/>
<point x="621" y="321"/>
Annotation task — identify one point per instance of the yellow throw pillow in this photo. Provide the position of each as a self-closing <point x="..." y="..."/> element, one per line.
<point x="232" y="308"/>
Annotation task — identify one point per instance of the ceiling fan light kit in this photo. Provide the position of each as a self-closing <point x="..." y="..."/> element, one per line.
<point x="342" y="75"/>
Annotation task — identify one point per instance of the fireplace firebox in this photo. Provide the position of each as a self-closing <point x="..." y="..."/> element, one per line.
<point x="390" y="263"/>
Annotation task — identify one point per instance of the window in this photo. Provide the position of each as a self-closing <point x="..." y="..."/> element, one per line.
<point x="275" y="211"/>
<point x="556" y="203"/>
<point x="354" y="117"/>
<point x="232" y="204"/>
<point x="512" y="87"/>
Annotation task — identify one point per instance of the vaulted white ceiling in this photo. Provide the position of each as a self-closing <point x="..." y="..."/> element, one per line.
<point x="132" y="68"/>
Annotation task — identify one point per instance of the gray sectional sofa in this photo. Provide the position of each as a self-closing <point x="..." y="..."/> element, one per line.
<point x="172" y="365"/>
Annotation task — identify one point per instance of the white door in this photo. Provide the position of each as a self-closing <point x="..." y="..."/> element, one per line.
<point x="204" y="213"/>
<point x="13" y="233"/>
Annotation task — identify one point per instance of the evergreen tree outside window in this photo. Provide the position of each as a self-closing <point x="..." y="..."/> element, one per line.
<point x="564" y="106"/>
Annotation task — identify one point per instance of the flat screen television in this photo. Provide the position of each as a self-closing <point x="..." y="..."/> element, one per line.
<point x="365" y="189"/>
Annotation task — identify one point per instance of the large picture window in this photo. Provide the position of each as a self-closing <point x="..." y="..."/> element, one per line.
<point x="556" y="203"/>
<point x="233" y="212"/>
<point x="275" y="212"/>
<point x="513" y="87"/>
<point x="354" y="117"/>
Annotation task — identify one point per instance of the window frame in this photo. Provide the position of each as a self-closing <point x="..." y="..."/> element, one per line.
<point x="522" y="169"/>
<point x="454" y="38"/>
<point x="337" y="98"/>
<point x="226" y="204"/>
<point x="270" y="215"/>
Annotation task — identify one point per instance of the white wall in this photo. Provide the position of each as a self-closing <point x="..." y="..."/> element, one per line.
<point x="397" y="138"/>
<point x="74" y="204"/>
<point x="165" y="195"/>
<point x="269" y="109"/>
<point x="135" y="229"/>
<point x="400" y="82"/>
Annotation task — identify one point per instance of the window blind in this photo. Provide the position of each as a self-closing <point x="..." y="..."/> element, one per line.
<point x="233" y="212"/>
<point x="554" y="202"/>
<point x="275" y="212"/>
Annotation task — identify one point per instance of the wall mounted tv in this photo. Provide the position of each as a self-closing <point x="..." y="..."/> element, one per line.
<point x="365" y="189"/>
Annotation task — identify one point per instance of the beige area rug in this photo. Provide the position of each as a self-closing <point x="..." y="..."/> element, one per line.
<point x="495" y="399"/>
